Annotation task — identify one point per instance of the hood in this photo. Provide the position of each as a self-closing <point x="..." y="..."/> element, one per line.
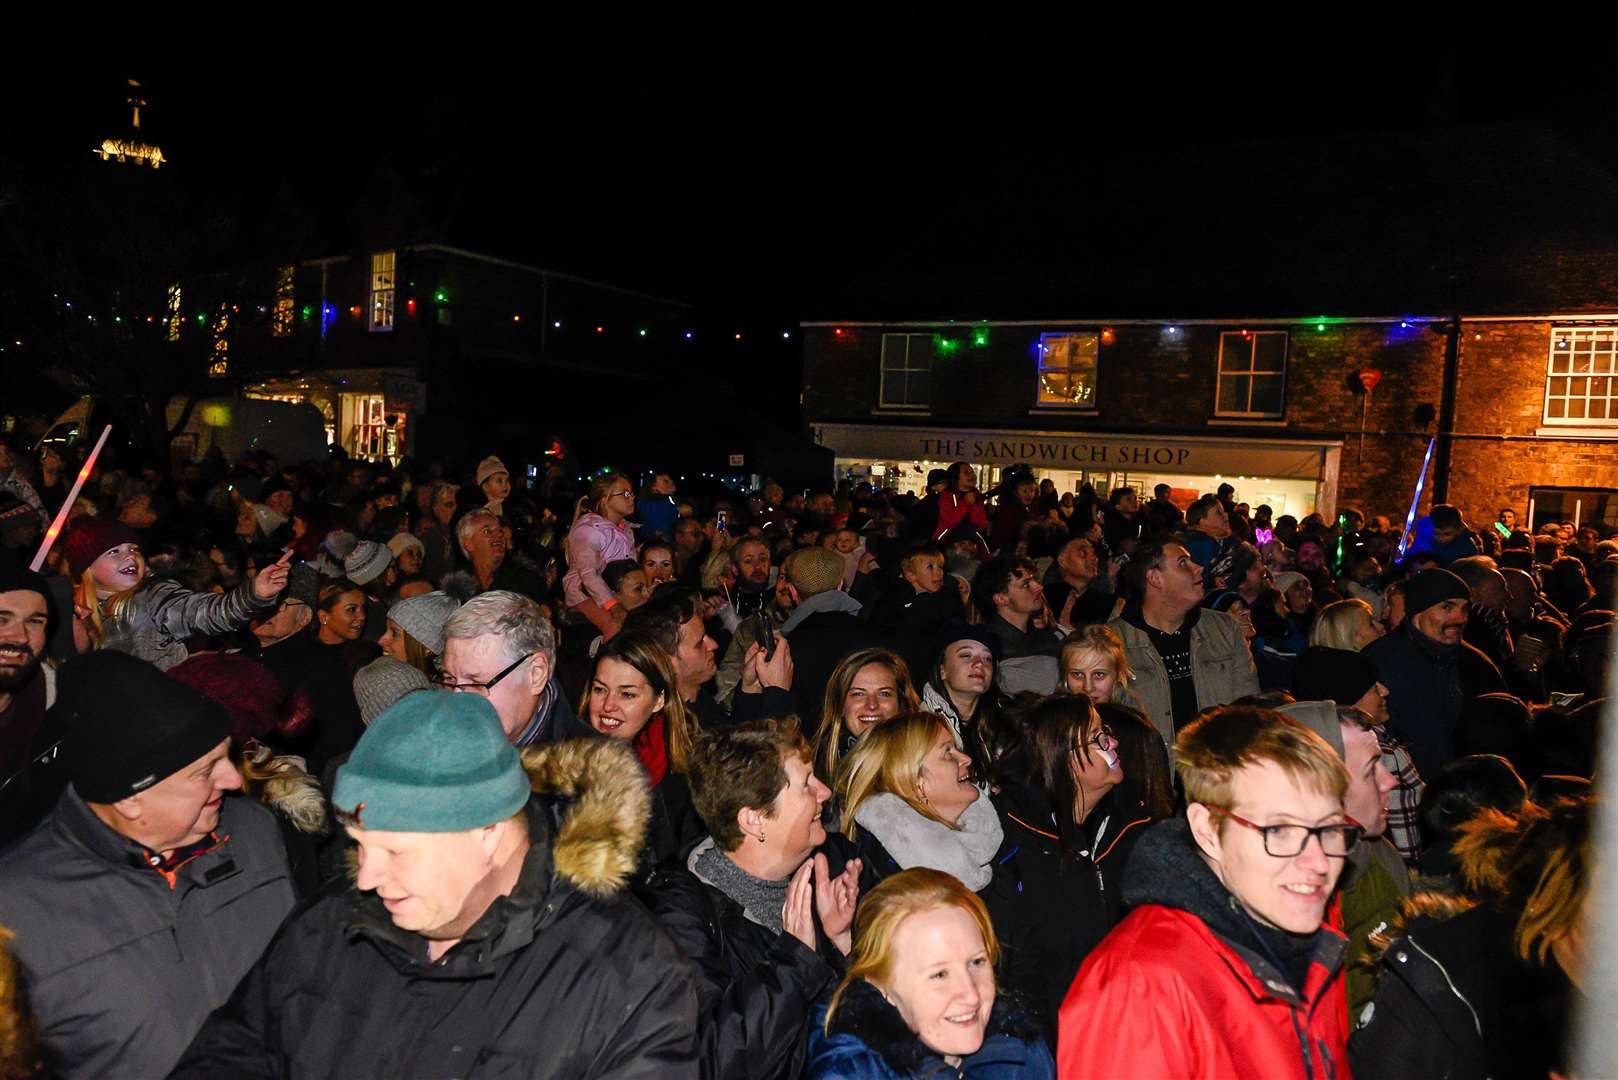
<point x="1167" y="869"/>
<point x="832" y="600"/>
<point x="597" y="846"/>
<point x="290" y="791"/>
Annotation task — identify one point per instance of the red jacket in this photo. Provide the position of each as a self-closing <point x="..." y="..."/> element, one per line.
<point x="1164" y="996"/>
<point x="955" y="509"/>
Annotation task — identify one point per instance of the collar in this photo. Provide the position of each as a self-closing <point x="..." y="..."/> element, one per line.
<point x="1134" y="614"/>
<point x="542" y="713"/>
<point x="87" y="831"/>
<point x="830" y="600"/>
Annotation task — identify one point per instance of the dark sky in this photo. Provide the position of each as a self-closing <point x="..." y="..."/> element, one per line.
<point x="755" y="166"/>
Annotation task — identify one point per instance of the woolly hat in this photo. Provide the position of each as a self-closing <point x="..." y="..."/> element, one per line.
<point x="89" y="538"/>
<point x="1286" y="580"/>
<point x="1336" y="675"/>
<point x="1430" y="587"/>
<point x="491" y="466"/>
<point x="1319" y="717"/>
<point x="303" y="583"/>
<point x="269" y="519"/>
<point x="814" y="570"/>
<point x="381" y="683"/>
<point x="244" y="687"/>
<point x="423" y="618"/>
<point x="399" y="543"/>
<point x="339" y="544"/>
<point x="432" y="763"/>
<point x="22" y="579"/>
<point x="367" y="562"/>
<point x="128" y="725"/>
<point x="937" y="476"/>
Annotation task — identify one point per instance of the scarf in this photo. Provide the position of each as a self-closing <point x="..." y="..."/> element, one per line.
<point x="653" y="749"/>
<point x="913" y="840"/>
<point x="761" y="900"/>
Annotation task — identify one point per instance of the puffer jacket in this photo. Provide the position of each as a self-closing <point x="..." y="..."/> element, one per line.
<point x="869" y="1040"/>
<point x="756" y="988"/>
<point x="123" y="963"/>
<point x="592" y="543"/>
<point x="1221" y="666"/>
<point x="1183" y="988"/>
<point x="567" y="976"/>
<point x="162" y="614"/>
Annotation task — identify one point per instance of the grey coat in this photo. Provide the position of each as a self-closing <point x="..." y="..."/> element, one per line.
<point x="162" y="614"/>
<point x="120" y="969"/>
<point x="1221" y="666"/>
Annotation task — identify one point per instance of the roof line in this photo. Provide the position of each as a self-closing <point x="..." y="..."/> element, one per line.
<point x="543" y="272"/>
<point x="967" y="324"/>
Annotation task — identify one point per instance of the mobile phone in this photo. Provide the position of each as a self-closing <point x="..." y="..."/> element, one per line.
<point x="764" y="634"/>
<point x="722" y="520"/>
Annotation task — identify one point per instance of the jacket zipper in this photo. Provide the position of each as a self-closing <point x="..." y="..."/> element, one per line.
<point x="1450" y="982"/>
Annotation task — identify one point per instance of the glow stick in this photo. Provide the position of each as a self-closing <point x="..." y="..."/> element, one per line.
<point x="72" y="496"/>
<point x="1421" y="482"/>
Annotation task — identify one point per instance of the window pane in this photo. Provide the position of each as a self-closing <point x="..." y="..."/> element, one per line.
<point x="1601" y="362"/>
<point x="1557" y="407"/>
<point x="1598" y="409"/>
<point x="1267" y="394"/>
<point x="1577" y="387"/>
<point x="1269" y="352"/>
<point x="1053" y="388"/>
<point x="1233" y="393"/>
<point x="1559" y="363"/>
<point x="1558" y="387"/>
<point x="1581" y="362"/>
<point x="1598" y="388"/>
<point x="1235" y="353"/>
<point x="1575" y="409"/>
<point x="919" y="388"/>
<point x="893" y="388"/>
<point x="893" y="351"/>
<point x="921" y="352"/>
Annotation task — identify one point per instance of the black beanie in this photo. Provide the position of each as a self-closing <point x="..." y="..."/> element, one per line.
<point x="128" y="725"/>
<point x="22" y="579"/>
<point x="1430" y="587"/>
<point x="1335" y="675"/>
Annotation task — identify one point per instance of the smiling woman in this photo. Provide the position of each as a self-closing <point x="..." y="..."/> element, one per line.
<point x="868" y="687"/>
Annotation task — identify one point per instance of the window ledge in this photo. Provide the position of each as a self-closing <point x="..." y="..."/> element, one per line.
<point x="1045" y="410"/>
<point x="1237" y="421"/>
<point x="902" y="410"/>
<point x="1574" y="431"/>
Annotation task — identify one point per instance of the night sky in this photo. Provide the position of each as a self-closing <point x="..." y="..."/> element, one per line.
<point x="762" y="167"/>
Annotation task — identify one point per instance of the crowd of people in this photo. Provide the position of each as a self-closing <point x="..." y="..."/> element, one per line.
<point x="349" y="769"/>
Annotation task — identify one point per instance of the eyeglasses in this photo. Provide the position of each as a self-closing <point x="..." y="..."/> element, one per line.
<point x="1287" y="841"/>
<point x="446" y="681"/>
<point x="622" y="495"/>
<point x="1103" y="739"/>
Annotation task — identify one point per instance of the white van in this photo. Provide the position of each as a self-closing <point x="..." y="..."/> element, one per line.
<point x="293" y="433"/>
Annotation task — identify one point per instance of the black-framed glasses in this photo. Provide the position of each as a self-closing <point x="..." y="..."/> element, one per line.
<point x="447" y="681"/>
<point x="1103" y="739"/>
<point x="1287" y="841"/>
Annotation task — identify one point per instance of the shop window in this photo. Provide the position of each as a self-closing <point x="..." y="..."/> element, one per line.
<point x="382" y="290"/>
<point x="1067" y="370"/>
<point x="281" y="317"/>
<point x="907" y="371"/>
<point x="1581" y="381"/>
<point x="1578" y="506"/>
<point x="1252" y="373"/>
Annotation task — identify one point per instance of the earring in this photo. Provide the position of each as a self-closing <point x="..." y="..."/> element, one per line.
<point x="761" y="838"/>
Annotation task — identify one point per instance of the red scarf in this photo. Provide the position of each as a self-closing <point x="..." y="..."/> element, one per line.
<point x="653" y="749"/>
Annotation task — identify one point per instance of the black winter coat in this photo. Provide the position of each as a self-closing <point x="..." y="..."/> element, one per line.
<point x="1427" y="687"/>
<point x="819" y="644"/>
<point x="756" y="989"/>
<point x="565" y="977"/>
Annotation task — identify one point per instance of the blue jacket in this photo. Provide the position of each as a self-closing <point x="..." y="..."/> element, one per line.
<point x="657" y="514"/>
<point x="869" y="1041"/>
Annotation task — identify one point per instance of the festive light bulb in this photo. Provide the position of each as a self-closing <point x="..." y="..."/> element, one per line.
<point x="516" y="318"/>
<point x="839" y="332"/>
<point x="785" y="334"/>
<point x="1320" y="328"/>
<point x="738" y="335"/>
<point x="688" y="335"/>
<point x="557" y="325"/>
<point x="643" y="332"/>
<point x="1107" y="335"/>
<point x="441" y="296"/>
<point x="601" y="329"/>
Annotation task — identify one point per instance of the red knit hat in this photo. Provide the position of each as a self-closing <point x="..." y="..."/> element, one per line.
<point x="89" y="538"/>
<point x="256" y="702"/>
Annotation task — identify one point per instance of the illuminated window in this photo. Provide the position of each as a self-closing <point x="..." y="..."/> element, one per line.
<point x="220" y="366"/>
<point x="382" y="290"/>
<point x="907" y="371"/>
<point x="281" y="317"/>
<point x="1252" y="373"/>
<point x="1067" y="370"/>
<point x="175" y="318"/>
<point x="1581" y="381"/>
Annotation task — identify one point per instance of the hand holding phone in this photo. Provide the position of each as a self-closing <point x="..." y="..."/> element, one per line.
<point x="764" y="634"/>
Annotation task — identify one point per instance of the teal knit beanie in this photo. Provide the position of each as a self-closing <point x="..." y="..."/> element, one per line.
<point x="435" y="762"/>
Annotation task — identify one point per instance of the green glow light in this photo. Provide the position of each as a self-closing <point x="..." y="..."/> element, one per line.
<point x="1320" y="328"/>
<point x="643" y="333"/>
<point x="947" y="345"/>
<point x="441" y="296"/>
<point x="202" y="318"/>
<point x="980" y="339"/>
<point x="307" y="312"/>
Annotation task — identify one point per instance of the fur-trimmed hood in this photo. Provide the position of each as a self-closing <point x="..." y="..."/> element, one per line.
<point x="602" y="806"/>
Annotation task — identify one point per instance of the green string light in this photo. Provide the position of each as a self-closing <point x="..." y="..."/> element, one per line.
<point x="440" y="296"/>
<point x="947" y="345"/>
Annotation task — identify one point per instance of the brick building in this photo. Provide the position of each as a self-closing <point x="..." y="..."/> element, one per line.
<point x="1481" y="292"/>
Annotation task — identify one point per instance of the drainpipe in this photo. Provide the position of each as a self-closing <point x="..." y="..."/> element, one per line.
<point x="1446" y="410"/>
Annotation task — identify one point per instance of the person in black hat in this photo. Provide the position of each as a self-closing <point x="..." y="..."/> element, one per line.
<point x="150" y="888"/>
<point x="29" y="778"/>
<point x="1430" y="672"/>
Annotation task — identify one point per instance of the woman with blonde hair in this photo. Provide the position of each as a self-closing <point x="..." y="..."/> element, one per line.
<point x="867" y="687"/>
<point x="919" y="997"/>
<point x="117" y="606"/>
<point x="1345" y="624"/>
<point x="1094" y="664"/>
<point x="908" y="800"/>
<point x="634" y="697"/>
<point x="599" y="535"/>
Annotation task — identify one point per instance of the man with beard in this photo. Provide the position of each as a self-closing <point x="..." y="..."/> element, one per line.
<point x="751" y="558"/>
<point x="1430" y="672"/>
<point x="29" y="777"/>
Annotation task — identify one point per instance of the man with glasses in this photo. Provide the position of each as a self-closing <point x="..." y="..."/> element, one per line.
<point x="1225" y="966"/>
<point x="501" y="647"/>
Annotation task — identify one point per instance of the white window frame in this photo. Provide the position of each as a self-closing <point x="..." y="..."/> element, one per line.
<point x="883" y="371"/>
<point x="1040" y="369"/>
<point x="384" y="265"/>
<point x="1572" y="336"/>
<point x="1250" y="339"/>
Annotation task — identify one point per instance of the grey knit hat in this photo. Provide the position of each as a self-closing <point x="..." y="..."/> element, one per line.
<point x="382" y="682"/>
<point x="366" y="562"/>
<point x="423" y="618"/>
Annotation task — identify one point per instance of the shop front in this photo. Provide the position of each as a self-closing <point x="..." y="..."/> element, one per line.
<point x="1292" y="476"/>
<point x="369" y="413"/>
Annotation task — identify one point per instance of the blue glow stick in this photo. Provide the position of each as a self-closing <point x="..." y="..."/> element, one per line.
<point x="1421" y="482"/>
